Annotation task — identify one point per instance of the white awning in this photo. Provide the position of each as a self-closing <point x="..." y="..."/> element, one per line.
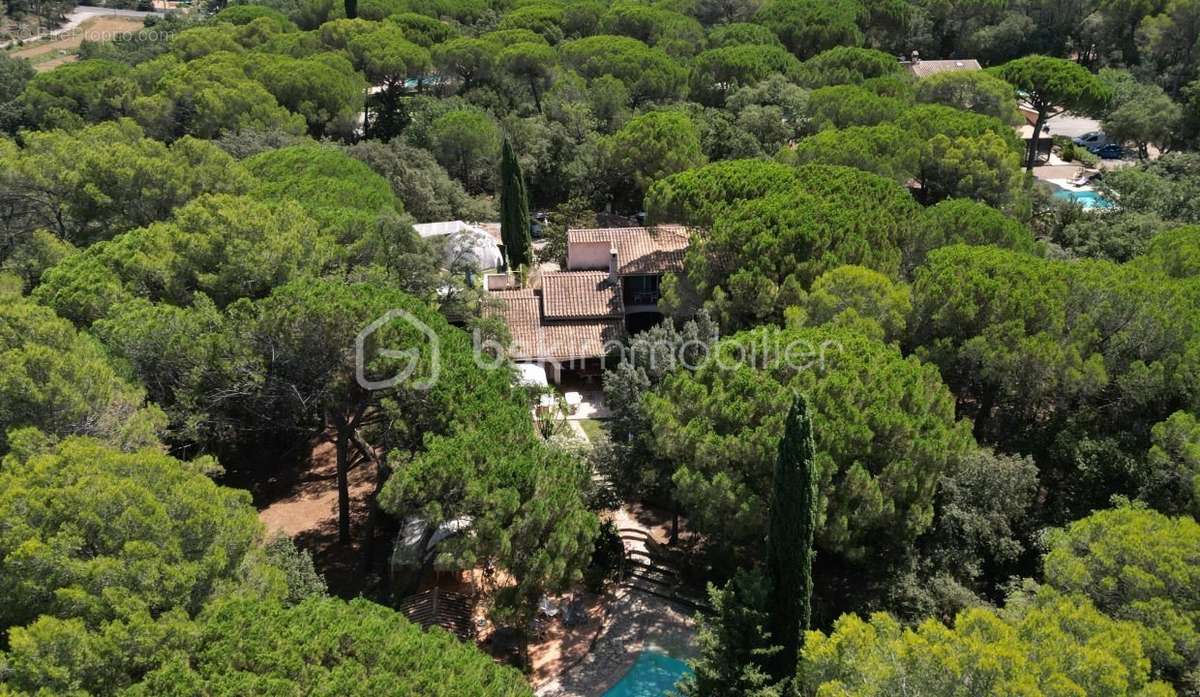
<point x="465" y="243"/>
<point x="531" y="375"/>
<point x="446" y="227"/>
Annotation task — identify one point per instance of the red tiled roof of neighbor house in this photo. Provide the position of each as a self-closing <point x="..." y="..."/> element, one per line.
<point x="579" y="294"/>
<point x="640" y="250"/>
<point x="924" y="68"/>
<point x="535" y="337"/>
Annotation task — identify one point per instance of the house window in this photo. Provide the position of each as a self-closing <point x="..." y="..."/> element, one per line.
<point x="641" y="290"/>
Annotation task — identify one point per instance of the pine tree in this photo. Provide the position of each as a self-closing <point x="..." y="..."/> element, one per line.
<point x="514" y="211"/>
<point x="790" y="539"/>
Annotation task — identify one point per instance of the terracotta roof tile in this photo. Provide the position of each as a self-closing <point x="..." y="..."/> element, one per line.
<point x="924" y="68"/>
<point x="535" y="337"/>
<point x="579" y="294"/>
<point x="641" y="250"/>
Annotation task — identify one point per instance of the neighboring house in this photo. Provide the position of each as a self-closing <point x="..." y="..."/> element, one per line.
<point x="923" y="68"/>
<point x="1025" y="133"/>
<point x="464" y="244"/>
<point x="573" y="318"/>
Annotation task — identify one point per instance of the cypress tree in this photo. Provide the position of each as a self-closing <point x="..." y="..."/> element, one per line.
<point x="514" y="211"/>
<point x="793" y="520"/>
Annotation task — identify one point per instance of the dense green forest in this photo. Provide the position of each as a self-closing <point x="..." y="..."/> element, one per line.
<point x="995" y="478"/>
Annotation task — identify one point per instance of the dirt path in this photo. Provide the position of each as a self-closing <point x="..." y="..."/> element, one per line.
<point x="307" y="512"/>
<point x="81" y="15"/>
<point x="46" y="56"/>
<point x="312" y="503"/>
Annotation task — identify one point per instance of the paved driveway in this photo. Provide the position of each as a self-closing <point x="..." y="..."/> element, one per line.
<point x="1072" y="126"/>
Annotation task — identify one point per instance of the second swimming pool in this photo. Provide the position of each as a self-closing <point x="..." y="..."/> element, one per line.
<point x="1087" y="199"/>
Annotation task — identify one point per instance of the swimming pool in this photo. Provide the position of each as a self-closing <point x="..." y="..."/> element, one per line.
<point x="1087" y="199"/>
<point x="652" y="675"/>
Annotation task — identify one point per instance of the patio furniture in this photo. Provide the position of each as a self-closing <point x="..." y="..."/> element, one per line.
<point x="546" y="405"/>
<point x="573" y="400"/>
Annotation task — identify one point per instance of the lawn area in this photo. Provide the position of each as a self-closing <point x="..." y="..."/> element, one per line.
<point x="594" y="428"/>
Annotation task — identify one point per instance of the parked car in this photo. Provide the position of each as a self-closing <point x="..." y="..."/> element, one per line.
<point x="1093" y="139"/>
<point x="1111" y="151"/>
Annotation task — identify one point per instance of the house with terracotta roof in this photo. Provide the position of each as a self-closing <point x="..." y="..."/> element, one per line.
<point x="571" y="319"/>
<point x="924" y="68"/>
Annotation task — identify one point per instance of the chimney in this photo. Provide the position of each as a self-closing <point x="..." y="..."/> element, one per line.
<point x="612" y="265"/>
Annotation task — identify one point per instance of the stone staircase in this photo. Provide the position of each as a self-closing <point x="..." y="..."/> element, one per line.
<point x="652" y="569"/>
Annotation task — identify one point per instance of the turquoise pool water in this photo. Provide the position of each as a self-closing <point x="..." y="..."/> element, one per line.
<point x="1087" y="199"/>
<point x="653" y="675"/>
